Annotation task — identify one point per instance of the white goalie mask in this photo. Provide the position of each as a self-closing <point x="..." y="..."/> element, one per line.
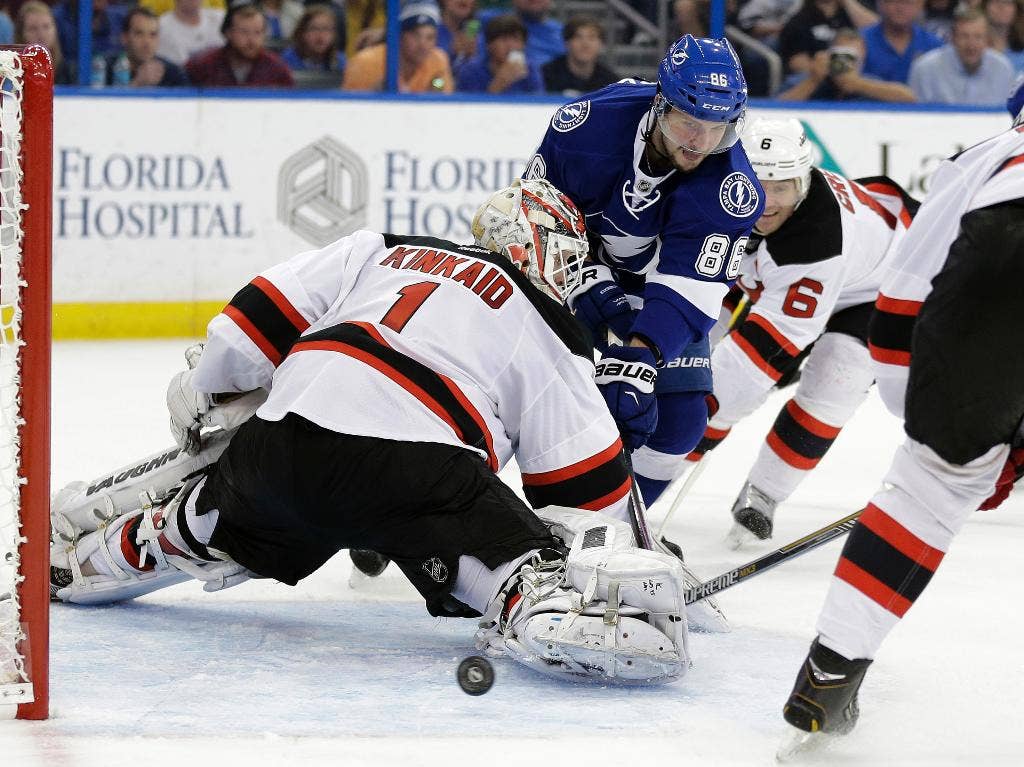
<point x="539" y="230"/>
<point x="778" y="149"/>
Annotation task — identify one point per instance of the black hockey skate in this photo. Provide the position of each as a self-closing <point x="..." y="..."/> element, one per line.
<point x="753" y="513"/>
<point x="824" y="698"/>
<point x="368" y="562"/>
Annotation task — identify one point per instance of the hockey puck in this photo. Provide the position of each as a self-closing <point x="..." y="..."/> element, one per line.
<point x="475" y="675"/>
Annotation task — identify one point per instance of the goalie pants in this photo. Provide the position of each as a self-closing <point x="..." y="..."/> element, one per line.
<point x="291" y="494"/>
<point x="964" y="406"/>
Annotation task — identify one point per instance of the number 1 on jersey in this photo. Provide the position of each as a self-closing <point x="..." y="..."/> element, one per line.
<point x="411" y="298"/>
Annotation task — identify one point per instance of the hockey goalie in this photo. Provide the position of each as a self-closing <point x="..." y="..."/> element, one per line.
<point x="391" y="378"/>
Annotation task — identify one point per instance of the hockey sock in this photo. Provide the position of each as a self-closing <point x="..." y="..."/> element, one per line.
<point x="478" y="586"/>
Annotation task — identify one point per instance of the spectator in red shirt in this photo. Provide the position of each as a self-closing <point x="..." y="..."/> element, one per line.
<point x="243" y="60"/>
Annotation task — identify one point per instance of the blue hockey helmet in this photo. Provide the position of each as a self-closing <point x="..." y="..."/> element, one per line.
<point x="702" y="77"/>
<point x="1015" y="102"/>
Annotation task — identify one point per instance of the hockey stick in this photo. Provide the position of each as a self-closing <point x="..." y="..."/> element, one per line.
<point x="637" y="510"/>
<point x="684" y="490"/>
<point x="810" y="541"/>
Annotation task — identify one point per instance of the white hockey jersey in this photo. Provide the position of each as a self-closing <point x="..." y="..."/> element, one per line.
<point x="986" y="174"/>
<point x="829" y="256"/>
<point x="418" y="339"/>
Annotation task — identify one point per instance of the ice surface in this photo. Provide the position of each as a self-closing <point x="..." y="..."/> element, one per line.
<point x="328" y="674"/>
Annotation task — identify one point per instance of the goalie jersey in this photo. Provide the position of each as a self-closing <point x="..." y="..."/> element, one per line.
<point x="973" y="196"/>
<point x="685" y="232"/>
<point x="417" y="339"/>
<point x="829" y="256"/>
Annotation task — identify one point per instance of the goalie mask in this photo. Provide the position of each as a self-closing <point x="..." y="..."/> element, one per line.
<point x="539" y="230"/>
<point x="778" y="149"/>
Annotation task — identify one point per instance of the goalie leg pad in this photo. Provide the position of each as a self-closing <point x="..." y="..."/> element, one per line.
<point x="608" y="611"/>
<point x="82" y="507"/>
<point x="132" y="555"/>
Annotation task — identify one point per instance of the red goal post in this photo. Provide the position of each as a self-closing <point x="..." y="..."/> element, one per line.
<point x="26" y="189"/>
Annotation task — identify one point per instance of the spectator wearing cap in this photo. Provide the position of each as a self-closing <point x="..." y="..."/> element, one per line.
<point x="543" y="34"/>
<point x="422" y="66"/>
<point x="966" y="71"/>
<point x="504" y="67"/>
<point x="243" y="59"/>
<point x="189" y="29"/>
<point x="580" y="69"/>
<point x="896" y="40"/>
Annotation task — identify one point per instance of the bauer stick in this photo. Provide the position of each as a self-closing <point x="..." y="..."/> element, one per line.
<point x="792" y="550"/>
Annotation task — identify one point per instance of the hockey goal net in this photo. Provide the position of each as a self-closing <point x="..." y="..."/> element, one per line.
<point x="26" y="148"/>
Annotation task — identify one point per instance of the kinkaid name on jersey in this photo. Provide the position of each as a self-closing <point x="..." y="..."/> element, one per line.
<point x="480" y="277"/>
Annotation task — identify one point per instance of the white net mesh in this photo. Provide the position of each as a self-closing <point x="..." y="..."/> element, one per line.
<point x="12" y="667"/>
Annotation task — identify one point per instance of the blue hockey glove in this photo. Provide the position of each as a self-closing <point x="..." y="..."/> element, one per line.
<point x="626" y="376"/>
<point x="600" y="304"/>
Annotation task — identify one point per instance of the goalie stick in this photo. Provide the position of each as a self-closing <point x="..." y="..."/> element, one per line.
<point x="754" y="568"/>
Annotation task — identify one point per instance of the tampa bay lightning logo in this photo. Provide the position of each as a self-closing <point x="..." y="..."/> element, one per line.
<point x="571" y="116"/>
<point x="738" y="195"/>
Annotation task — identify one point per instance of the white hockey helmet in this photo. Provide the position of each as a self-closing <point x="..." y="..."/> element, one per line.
<point x="539" y="229"/>
<point x="778" y="149"/>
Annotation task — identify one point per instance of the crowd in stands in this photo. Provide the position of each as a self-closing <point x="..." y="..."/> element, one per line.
<point x="935" y="51"/>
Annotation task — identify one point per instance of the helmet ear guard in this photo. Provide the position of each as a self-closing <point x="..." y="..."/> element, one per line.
<point x="538" y="229"/>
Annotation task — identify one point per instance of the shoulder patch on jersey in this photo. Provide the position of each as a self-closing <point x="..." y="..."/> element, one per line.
<point x="814" y="232"/>
<point x="536" y="168"/>
<point x="571" y="116"/>
<point x="738" y="195"/>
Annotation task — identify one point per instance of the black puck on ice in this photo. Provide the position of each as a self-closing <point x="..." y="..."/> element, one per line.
<point x="475" y="675"/>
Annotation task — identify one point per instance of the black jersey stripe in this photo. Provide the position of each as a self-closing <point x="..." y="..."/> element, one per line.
<point x="597" y="487"/>
<point x="267" y="318"/>
<point x="423" y="383"/>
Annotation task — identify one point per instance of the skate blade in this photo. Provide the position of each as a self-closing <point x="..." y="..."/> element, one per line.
<point x="739" y="537"/>
<point x="798" y="745"/>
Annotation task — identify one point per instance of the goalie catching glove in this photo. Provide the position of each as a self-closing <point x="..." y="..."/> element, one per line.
<point x="607" y="611"/>
<point x="193" y="410"/>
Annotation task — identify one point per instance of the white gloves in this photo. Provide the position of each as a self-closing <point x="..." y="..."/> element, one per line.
<point x="192" y="410"/>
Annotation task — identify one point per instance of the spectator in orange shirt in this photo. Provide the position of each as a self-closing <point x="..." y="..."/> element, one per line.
<point x="422" y="66"/>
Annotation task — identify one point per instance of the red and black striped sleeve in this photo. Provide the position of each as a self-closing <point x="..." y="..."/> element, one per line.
<point x="593" y="483"/>
<point x="267" y="317"/>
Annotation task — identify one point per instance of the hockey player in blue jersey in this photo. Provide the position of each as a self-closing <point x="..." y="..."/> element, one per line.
<point x="670" y="199"/>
